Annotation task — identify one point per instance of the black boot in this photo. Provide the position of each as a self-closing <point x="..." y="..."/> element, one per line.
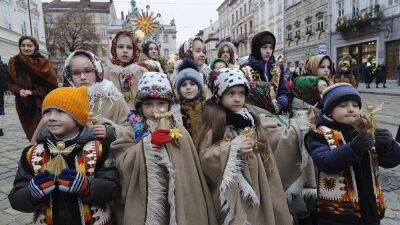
<point x="1" y="132"/>
<point x="384" y="86"/>
<point x="368" y="86"/>
<point x="377" y="86"/>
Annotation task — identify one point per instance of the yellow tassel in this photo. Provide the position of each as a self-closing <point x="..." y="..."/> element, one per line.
<point x="56" y="165"/>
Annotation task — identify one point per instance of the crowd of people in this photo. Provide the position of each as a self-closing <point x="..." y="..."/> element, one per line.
<point x="139" y="140"/>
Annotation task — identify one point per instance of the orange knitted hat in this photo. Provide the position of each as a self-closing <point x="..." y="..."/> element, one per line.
<point x="72" y="100"/>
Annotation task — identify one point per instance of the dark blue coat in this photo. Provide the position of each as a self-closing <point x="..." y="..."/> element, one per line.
<point x="332" y="162"/>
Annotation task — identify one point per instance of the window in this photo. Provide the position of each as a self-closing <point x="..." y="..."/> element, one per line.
<point x="165" y="38"/>
<point x="355" y="7"/>
<point x="279" y="32"/>
<point x="233" y="19"/>
<point x="5" y="9"/>
<point x="233" y="34"/>
<point x="340" y="6"/>
<point x="297" y="24"/>
<point x="23" y="19"/>
<point x="103" y="33"/>
<point x="309" y="25"/>
<point x="280" y="3"/>
<point x="250" y="6"/>
<point x="241" y="30"/>
<point x="245" y="9"/>
<point x="241" y="13"/>
<point x="237" y="16"/>
<point x="251" y="26"/>
<point x="245" y="28"/>
<point x="93" y="18"/>
<point x="104" y="19"/>
<point x="35" y="29"/>
<point x="391" y="2"/>
<point x="289" y="29"/>
<point x="320" y="22"/>
<point x="271" y="8"/>
<point x="166" y="53"/>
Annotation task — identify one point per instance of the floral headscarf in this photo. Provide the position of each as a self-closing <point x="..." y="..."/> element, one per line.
<point x="114" y="59"/>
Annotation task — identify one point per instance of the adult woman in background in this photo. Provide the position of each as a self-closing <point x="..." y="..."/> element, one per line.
<point x="31" y="77"/>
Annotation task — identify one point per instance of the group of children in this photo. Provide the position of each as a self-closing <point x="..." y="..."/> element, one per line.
<point x="130" y="144"/>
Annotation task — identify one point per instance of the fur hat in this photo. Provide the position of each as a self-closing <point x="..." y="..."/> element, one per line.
<point x="338" y="93"/>
<point x="225" y="78"/>
<point x="215" y="60"/>
<point x="93" y="58"/>
<point x="259" y="40"/>
<point x="188" y="70"/>
<point x="154" y="85"/>
<point x="71" y="100"/>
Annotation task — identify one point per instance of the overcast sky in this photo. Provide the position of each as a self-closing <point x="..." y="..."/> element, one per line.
<point x="190" y="15"/>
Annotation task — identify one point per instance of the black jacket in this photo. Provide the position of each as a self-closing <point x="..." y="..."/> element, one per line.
<point x="104" y="186"/>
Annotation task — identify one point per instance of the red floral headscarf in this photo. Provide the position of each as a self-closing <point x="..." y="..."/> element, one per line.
<point x="114" y="59"/>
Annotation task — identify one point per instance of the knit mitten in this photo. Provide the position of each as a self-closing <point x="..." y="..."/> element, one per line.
<point x="160" y="137"/>
<point x="42" y="184"/>
<point x="383" y="140"/>
<point x="362" y="143"/>
<point x="72" y="181"/>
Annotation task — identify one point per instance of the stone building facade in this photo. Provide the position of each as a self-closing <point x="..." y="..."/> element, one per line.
<point x="306" y="29"/>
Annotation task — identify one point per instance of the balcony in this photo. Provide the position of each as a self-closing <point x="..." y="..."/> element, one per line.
<point x="361" y="21"/>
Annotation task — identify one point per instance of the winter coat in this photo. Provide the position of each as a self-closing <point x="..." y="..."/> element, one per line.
<point x="262" y="70"/>
<point x="335" y="161"/>
<point x="380" y="74"/>
<point x="368" y="73"/>
<point x="242" y="190"/>
<point x="161" y="186"/>
<point x="3" y="71"/>
<point x="104" y="185"/>
<point x="35" y="73"/>
<point x="126" y="79"/>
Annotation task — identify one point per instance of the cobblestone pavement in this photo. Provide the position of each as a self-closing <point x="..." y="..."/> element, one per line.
<point x="14" y="141"/>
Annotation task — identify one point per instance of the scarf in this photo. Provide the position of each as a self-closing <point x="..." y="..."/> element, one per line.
<point x="114" y="60"/>
<point x="35" y="68"/>
<point x="262" y="67"/>
<point x="240" y="119"/>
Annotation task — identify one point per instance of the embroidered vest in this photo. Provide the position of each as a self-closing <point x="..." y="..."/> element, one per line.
<point x="85" y="164"/>
<point x="337" y="194"/>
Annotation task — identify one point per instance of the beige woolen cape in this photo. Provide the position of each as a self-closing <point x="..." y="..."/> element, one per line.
<point x="154" y="178"/>
<point x="242" y="191"/>
<point x="114" y="73"/>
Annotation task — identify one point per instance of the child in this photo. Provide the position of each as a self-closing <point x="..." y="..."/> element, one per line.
<point x="348" y="187"/>
<point x="262" y="62"/>
<point x="189" y="86"/>
<point x="306" y="90"/>
<point x="150" y="57"/>
<point x="344" y="73"/>
<point x="194" y="49"/>
<point x="218" y="63"/>
<point x="78" y="195"/>
<point x="226" y="50"/>
<point x="239" y="166"/>
<point x="107" y="105"/>
<point x="121" y="69"/>
<point x="162" y="182"/>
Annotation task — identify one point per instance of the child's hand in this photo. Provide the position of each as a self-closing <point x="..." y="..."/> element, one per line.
<point x="383" y="140"/>
<point x="247" y="146"/>
<point x="362" y="143"/>
<point x="72" y="181"/>
<point x="42" y="184"/>
<point x="160" y="137"/>
<point x="22" y="93"/>
<point x="100" y="130"/>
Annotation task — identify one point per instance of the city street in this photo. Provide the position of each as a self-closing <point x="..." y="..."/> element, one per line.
<point x="14" y="141"/>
